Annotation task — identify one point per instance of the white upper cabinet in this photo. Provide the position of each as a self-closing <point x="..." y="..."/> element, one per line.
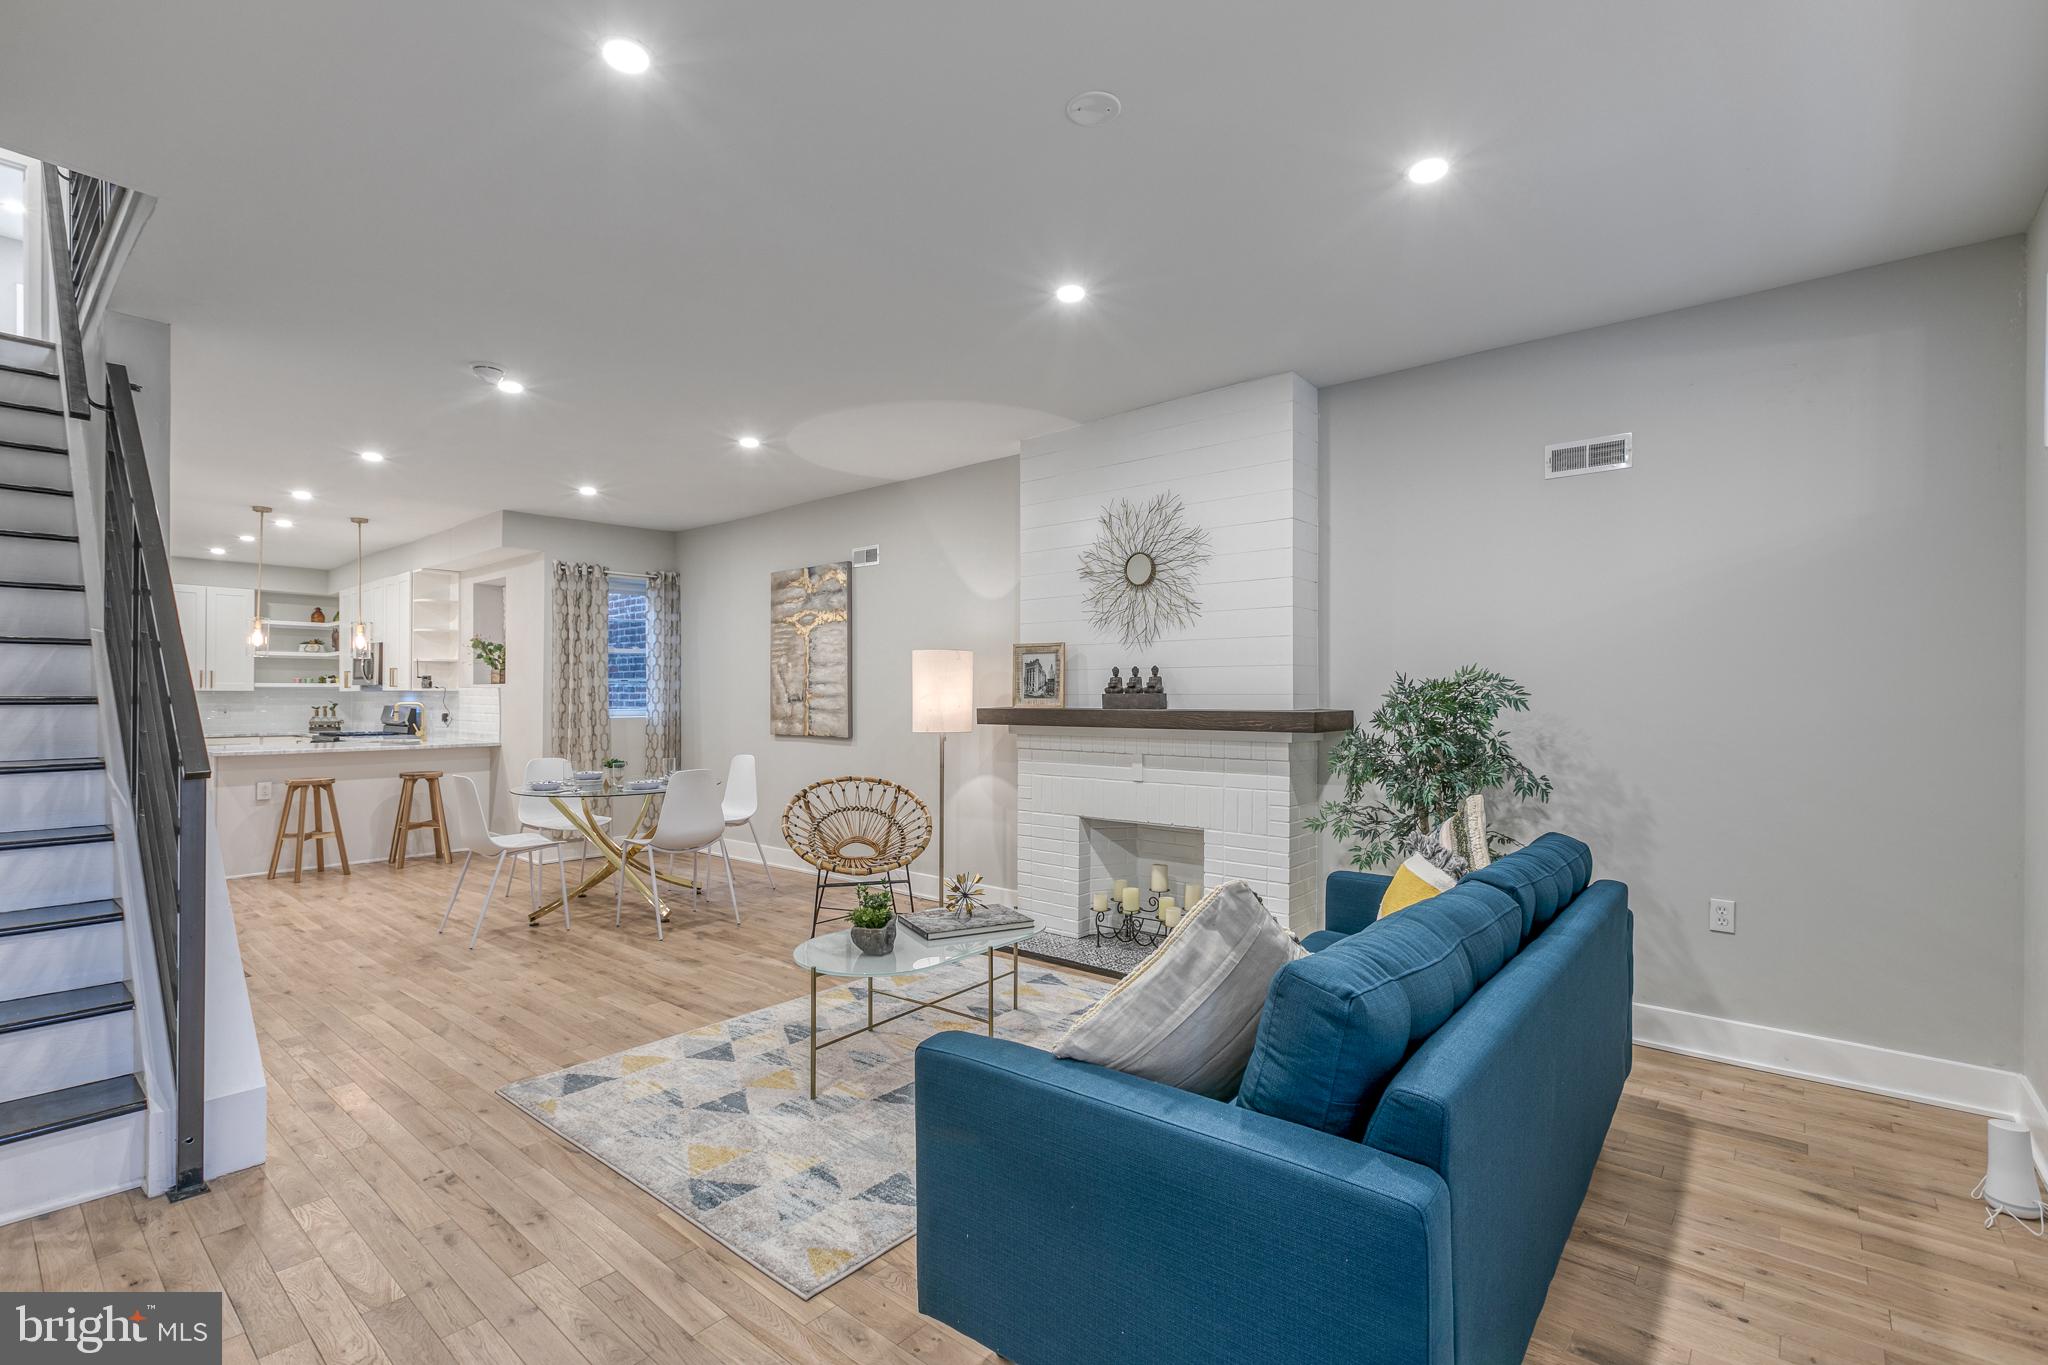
<point x="215" y="624"/>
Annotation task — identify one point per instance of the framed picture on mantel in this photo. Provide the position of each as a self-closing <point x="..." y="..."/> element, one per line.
<point x="1039" y="675"/>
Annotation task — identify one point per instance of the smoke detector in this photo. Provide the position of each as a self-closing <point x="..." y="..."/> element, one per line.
<point x="1093" y="107"/>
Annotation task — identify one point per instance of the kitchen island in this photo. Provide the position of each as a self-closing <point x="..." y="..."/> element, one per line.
<point x="250" y="772"/>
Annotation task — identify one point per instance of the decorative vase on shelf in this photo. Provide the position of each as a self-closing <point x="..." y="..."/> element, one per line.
<point x="318" y="618"/>
<point x="875" y="942"/>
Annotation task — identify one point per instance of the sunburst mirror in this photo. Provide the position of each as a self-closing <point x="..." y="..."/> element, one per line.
<point x="1142" y="569"/>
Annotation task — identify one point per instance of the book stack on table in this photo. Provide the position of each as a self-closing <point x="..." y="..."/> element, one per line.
<point x="937" y="924"/>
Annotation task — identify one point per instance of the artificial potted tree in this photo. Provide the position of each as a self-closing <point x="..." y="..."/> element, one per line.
<point x="1407" y="773"/>
<point x="874" y="922"/>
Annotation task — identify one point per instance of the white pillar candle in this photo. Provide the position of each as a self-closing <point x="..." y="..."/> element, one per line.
<point x="1134" y="900"/>
<point x="1101" y="902"/>
<point x="1193" y="897"/>
<point x="1169" y="913"/>
<point x="1159" y="882"/>
<point x="1116" y="889"/>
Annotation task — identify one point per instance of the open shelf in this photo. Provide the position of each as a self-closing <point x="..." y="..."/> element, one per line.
<point x="298" y="654"/>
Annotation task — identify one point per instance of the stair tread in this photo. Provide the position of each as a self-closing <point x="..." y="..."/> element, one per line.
<point x="35" y="446"/>
<point x="28" y="341"/>
<point x="33" y="488"/>
<point x="48" y="838"/>
<point x="72" y="1107"/>
<point x="39" y="535"/>
<point x="30" y="371"/>
<point x="36" y="408"/>
<point x="49" y="701"/>
<point x="16" y="767"/>
<point x="61" y="1007"/>
<point x="45" y="639"/>
<point x="42" y="918"/>
<point x="41" y="587"/>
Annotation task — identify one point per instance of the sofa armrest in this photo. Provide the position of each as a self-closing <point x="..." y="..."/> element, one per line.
<point x="1351" y="900"/>
<point x="1069" y="1213"/>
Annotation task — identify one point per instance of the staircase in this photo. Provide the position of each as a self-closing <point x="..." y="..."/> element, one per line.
<point x="67" y="1013"/>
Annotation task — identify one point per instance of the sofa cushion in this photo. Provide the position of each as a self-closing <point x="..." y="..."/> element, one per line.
<point x="1186" y="1016"/>
<point x="1338" y="1023"/>
<point x="1323" y="938"/>
<point x="1543" y="878"/>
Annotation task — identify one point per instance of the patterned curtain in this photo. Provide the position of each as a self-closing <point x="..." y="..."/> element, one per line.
<point x="582" y="731"/>
<point x="664" y="672"/>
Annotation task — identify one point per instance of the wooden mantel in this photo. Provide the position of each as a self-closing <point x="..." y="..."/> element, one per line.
<point x="1096" y="718"/>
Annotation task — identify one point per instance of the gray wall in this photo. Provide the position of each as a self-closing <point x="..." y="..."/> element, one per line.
<point x="144" y="346"/>
<point x="2035" y="936"/>
<point x="947" y="580"/>
<point x="1779" y="660"/>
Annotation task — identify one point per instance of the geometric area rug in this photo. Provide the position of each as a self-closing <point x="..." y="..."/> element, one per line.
<point x="717" y="1123"/>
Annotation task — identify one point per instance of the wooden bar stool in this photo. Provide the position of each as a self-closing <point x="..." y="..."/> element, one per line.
<point x="313" y="791"/>
<point x="402" y="825"/>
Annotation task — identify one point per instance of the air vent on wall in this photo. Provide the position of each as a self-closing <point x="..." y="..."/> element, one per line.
<point x="866" y="556"/>
<point x="1589" y="457"/>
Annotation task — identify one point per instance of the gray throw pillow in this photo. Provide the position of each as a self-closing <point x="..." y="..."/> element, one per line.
<point x="1187" y="1015"/>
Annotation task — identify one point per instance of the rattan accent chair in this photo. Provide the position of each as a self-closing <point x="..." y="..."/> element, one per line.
<point x="856" y="831"/>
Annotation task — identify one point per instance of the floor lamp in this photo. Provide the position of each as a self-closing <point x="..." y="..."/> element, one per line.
<point x="941" y="703"/>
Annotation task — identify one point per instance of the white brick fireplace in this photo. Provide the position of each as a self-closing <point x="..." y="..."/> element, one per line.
<point x="1241" y="797"/>
<point x="1215" y="805"/>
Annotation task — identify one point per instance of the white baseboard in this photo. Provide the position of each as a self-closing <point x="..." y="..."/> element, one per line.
<point x="1858" y="1066"/>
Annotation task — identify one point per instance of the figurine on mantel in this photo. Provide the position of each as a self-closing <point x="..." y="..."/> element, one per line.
<point x="1137" y="693"/>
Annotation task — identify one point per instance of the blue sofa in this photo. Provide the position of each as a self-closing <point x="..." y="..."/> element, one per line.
<point x="1068" y="1213"/>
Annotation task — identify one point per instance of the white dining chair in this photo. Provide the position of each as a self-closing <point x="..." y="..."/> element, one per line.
<point x="471" y="830"/>
<point x="743" y="802"/>
<point x="537" y="812"/>
<point x="692" y="821"/>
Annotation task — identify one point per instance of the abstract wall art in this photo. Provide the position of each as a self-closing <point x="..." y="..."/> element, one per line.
<point x="810" y="651"/>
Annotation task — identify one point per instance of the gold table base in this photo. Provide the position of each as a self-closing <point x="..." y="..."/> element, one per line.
<point x="612" y="855"/>
<point x="935" y="1003"/>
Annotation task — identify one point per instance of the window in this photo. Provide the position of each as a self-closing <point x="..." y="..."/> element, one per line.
<point x="626" y="657"/>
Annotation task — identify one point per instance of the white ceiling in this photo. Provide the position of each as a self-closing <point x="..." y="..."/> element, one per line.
<point x="837" y="224"/>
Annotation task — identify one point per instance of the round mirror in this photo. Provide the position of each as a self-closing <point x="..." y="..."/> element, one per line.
<point x="1138" y="569"/>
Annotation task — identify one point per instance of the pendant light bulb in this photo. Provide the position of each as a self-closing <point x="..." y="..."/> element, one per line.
<point x="259" y="633"/>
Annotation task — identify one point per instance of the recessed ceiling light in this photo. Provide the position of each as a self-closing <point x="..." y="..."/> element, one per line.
<point x="588" y="490"/>
<point x="371" y="456"/>
<point x="497" y="378"/>
<point x="246" y="540"/>
<point x="510" y="385"/>
<point x="750" y="443"/>
<point x="216" y="549"/>
<point x="1429" y="170"/>
<point x="623" y="54"/>
<point x="1070" y="293"/>
<point x="283" y="523"/>
<point x="302" y="495"/>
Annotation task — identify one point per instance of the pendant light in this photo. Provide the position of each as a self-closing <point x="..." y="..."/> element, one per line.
<point x="259" y="634"/>
<point x="359" y="631"/>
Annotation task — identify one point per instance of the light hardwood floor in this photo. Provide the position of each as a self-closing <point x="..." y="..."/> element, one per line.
<point x="409" y="1215"/>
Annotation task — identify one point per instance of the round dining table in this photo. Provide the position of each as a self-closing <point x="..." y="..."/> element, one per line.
<point x="581" y="803"/>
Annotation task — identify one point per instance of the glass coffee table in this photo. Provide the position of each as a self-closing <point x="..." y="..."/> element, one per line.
<point x="835" y="955"/>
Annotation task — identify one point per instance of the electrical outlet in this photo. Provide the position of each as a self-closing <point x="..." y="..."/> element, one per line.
<point x="265" y="790"/>
<point x="1721" y="916"/>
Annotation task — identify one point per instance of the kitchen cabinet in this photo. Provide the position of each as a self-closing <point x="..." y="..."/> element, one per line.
<point x="386" y="608"/>
<point x="215" y="624"/>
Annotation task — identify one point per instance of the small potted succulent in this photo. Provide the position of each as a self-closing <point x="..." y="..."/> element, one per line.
<point x="614" y="772"/>
<point x="874" y="922"/>
<point x="491" y="654"/>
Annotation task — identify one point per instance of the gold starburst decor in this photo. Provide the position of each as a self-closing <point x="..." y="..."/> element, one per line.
<point x="964" y="894"/>
<point x="1141" y="571"/>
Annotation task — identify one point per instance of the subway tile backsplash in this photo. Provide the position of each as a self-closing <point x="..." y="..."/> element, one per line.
<point x="472" y="711"/>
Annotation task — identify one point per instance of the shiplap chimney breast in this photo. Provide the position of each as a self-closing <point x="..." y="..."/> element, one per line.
<point x="1245" y="460"/>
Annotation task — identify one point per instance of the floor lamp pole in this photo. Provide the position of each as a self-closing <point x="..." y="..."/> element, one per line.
<point x="942" y="820"/>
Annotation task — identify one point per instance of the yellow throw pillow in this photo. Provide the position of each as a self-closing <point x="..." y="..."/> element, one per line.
<point x="1415" y="880"/>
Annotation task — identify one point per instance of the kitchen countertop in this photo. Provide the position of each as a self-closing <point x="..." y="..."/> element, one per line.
<point x="260" y="746"/>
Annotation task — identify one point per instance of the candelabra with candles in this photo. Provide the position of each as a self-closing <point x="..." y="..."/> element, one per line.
<point x="1134" y="915"/>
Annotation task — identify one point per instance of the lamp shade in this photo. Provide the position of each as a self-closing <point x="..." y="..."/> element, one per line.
<point x="941" y="691"/>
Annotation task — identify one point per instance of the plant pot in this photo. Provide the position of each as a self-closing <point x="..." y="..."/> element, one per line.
<point x="875" y="942"/>
<point x="498" y="675"/>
